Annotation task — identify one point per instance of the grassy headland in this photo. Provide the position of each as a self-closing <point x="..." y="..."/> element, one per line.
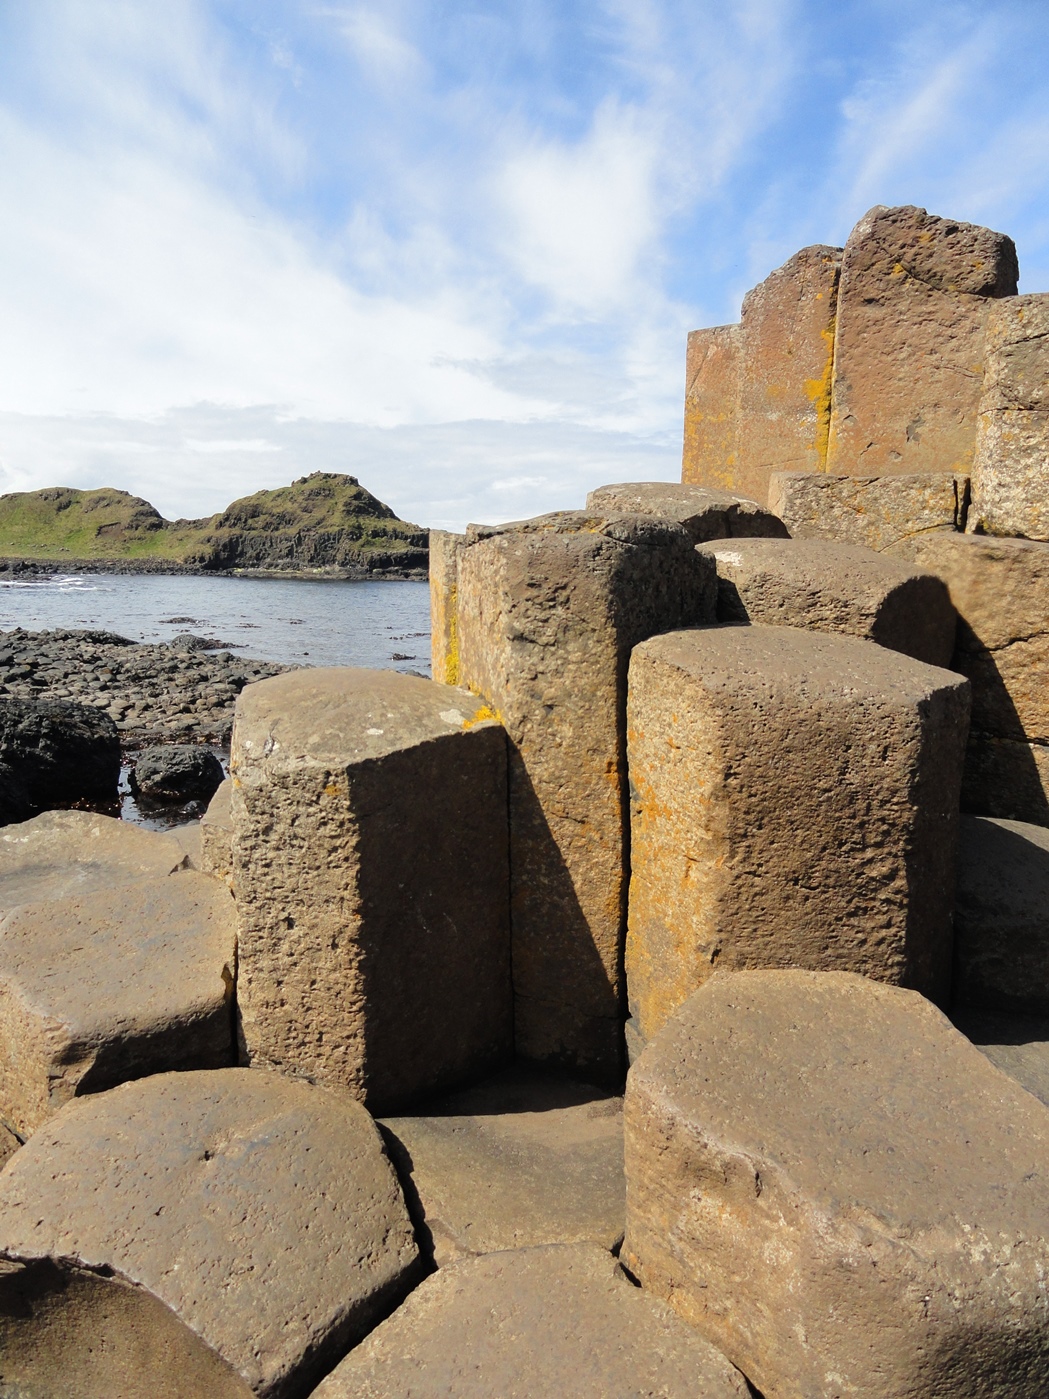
<point x="324" y="522"/>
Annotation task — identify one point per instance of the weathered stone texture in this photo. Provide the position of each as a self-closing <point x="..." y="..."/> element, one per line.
<point x="549" y="612"/>
<point x="1001" y="919"/>
<point x="840" y="1192"/>
<point x="1011" y="470"/>
<point x="913" y="302"/>
<point x="64" y="853"/>
<point x="875" y="511"/>
<point x="261" y="1211"/>
<point x="525" y="1158"/>
<point x="758" y="394"/>
<point x="444" y="605"/>
<point x="705" y="513"/>
<point x="540" y="1321"/>
<point x="794" y="802"/>
<point x="826" y="586"/>
<point x="216" y="835"/>
<point x="370" y="872"/>
<point x="103" y="987"/>
<point x="1016" y="1044"/>
<point x="712" y="393"/>
<point x="1000" y="589"/>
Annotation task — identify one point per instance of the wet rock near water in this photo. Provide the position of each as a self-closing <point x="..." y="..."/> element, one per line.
<point x="54" y="753"/>
<point x="176" y="772"/>
<point x="152" y="693"/>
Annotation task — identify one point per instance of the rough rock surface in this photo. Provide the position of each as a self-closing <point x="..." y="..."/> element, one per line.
<point x="1000" y="589"/>
<point x="102" y="987"/>
<point x="713" y="363"/>
<point x="1001" y="919"/>
<point x="826" y="586"/>
<point x="55" y="754"/>
<point x="537" y="1321"/>
<point x="1011" y="470"/>
<point x="216" y="835"/>
<point x="549" y="610"/>
<point x="840" y="1192"/>
<point x="1016" y="1044"/>
<point x="705" y="513"/>
<point x="152" y="693"/>
<point x="261" y="1211"/>
<point x="876" y="511"/>
<point x="913" y="301"/>
<point x="370" y="872"/>
<point x="794" y="803"/>
<point x="64" y="854"/>
<point x="445" y="548"/>
<point x="177" y="772"/>
<point x="524" y="1158"/>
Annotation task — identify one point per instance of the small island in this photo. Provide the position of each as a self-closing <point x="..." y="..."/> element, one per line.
<point x="323" y="525"/>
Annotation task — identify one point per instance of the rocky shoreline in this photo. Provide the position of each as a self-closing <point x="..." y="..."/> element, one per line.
<point x="46" y="568"/>
<point x="154" y="693"/>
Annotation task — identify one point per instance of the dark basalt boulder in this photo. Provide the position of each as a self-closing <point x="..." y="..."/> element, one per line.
<point x="177" y="772"/>
<point x="54" y="755"/>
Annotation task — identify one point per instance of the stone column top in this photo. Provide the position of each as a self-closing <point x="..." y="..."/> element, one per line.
<point x="344" y="715"/>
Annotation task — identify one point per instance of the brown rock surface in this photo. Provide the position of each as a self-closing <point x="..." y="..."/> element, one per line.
<point x="1011" y="470"/>
<point x="1016" y="1044"/>
<point x="534" y="1322"/>
<point x="705" y="513"/>
<point x="840" y="1192"/>
<point x="523" y="1159"/>
<point x="875" y="511"/>
<point x="909" y="352"/>
<point x="262" y="1212"/>
<point x="216" y="835"/>
<point x="102" y="987"/>
<point x="1000" y="588"/>
<point x="712" y="396"/>
<point x="549" y="612"/>
<point x="370" y="872"/>
<point x="1001" y="918"/>
<point x="825" y="586"/>
<point x="444" y="605"/>
<point x="794" y="802"/>
<point x="64" y="853"/>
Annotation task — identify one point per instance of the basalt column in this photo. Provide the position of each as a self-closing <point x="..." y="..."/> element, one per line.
<point x="549" y="610"/>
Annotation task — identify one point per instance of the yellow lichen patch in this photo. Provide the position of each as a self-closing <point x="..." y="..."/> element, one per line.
<point x="484" y="715"/>
<point x="332" y="789"/>
<point x="818" y="391"/>
<point x="899" y="270"/>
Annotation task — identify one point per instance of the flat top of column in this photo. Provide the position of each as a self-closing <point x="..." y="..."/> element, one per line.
<point x="858" y="1092"/>
<point x="821" y="561"/>
<point x="791" y="659"/>
<point x="347" y="715"/>
<point x="674" y="499"/>
<point x="625" y="526"/>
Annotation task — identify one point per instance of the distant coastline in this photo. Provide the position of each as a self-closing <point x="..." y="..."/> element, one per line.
<point x="45" y="567"/>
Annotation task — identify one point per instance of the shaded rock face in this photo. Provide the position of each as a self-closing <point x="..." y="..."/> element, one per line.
<point x="178" y="772"/>
<point x="55" y="754"/>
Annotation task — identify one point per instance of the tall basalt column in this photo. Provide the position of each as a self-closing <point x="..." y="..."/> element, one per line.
<point x="794" y="803"/>
<point x="445" y="548"/>
<point x="370" y="873"/>
<point x="549" y="611"/>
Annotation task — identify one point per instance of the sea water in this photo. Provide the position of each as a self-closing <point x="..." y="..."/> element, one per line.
<point x="379" y="624"/>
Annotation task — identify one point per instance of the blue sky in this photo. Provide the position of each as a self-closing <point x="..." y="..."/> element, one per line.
<point x="452" y="248"/>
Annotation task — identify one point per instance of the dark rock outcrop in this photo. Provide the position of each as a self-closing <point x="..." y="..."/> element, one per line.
<point x="177" y="772"/>
<point x="55" y="754"/>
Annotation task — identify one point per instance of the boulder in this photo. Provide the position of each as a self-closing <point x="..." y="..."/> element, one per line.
<point x="445" y="548"/>
<point x="840" y="1192"/>
<point x="64" y="854"/>
<point x="524" y="1158"/>
<point x="55" y="754"/>
<point x="1001" y="918"/>
<point x="101" y="987"/>
<point x="549" y="610"/>
<point x="913" y="303"/>
<point x="216" y="834"/>
<point x="1000" y="590"/>
<point x="1016" y="1044"/>
<point x="370" y="872"/>
<point x="875" y="511"/>
<point x="262" y="1213"/>
<point x="825" y="586"/>
<point x="177" y="772"/>
<point x="1011" y="470"/>
<point x="706" y="514"/>
<point x="536" y="1321"/>
<point x="757" y="394"/>
<point x="794" y="802"/>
